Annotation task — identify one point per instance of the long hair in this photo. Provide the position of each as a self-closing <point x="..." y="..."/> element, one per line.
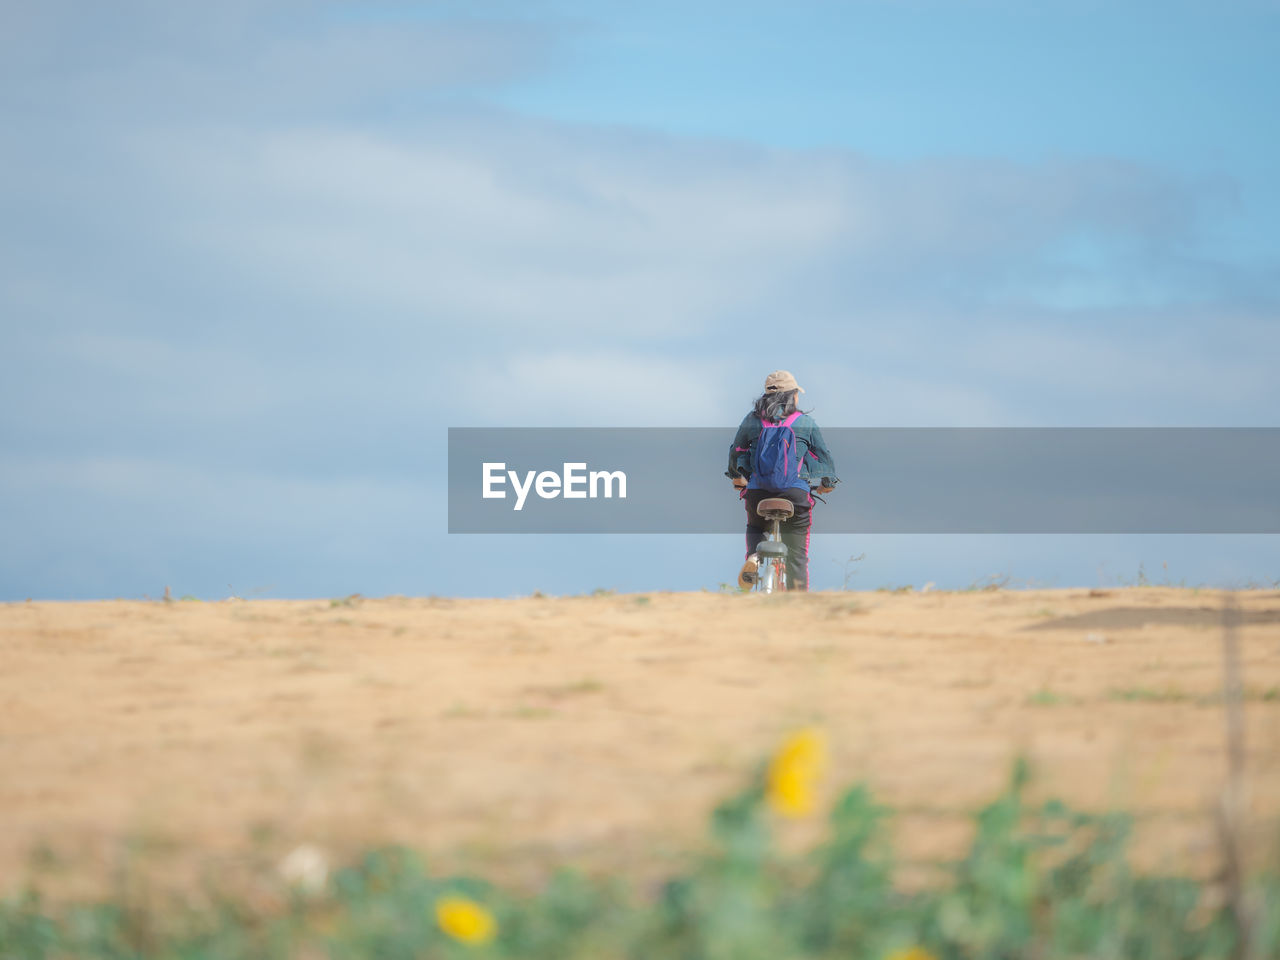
<point x="776" y="405"/>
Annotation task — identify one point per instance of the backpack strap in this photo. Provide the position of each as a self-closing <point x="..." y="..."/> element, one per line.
<point x="781" y="423"/>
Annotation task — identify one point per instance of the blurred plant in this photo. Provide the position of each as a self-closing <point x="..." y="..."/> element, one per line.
<point x="1038" y="883"/>
<point x="990" y="583"/>
<point x="849" y="569"/>
<point x="911" y="953"/>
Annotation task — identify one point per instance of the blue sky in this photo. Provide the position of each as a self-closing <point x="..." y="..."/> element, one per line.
<point x="256" y="257"/>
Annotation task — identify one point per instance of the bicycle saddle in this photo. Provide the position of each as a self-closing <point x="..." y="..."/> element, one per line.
<point x="783" y="508"/>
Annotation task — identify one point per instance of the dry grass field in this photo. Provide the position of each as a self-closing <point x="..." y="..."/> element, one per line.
<point x="189" y="738"/>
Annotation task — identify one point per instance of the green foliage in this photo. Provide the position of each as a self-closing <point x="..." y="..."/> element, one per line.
<point x="1039" y="882"/>
<point x="850" y="902"/>
<point x="1150" y="695"/>
<point x="1044" y="697"/>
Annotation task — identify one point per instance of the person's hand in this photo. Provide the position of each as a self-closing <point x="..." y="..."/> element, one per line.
<point x="739" y="483"/>
<point x="825" y="489"/>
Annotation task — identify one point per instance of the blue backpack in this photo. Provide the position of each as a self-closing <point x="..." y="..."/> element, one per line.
<point x="774" y="463"/>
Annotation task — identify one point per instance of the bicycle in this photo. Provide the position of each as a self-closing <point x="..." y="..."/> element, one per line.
<point x="771" y="553"/>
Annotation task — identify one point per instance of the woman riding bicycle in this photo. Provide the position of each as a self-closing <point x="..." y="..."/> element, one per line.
<point x="777" y="407"/>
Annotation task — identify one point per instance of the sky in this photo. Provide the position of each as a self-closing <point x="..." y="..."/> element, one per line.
<point x="257" y="257"/>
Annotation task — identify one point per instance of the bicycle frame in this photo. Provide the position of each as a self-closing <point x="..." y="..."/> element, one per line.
<point x="772" y="576"/>
<point x="771" y="555"/>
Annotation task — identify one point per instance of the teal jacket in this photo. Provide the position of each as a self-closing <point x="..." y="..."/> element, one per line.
<point x="815" y="458"/>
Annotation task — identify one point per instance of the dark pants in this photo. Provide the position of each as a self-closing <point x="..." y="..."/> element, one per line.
<point x="795" y="532"/>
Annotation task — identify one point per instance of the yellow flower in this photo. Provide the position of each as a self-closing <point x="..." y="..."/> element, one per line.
<point x="911" y="953"/>
<point x="465" y="920"/>
<point x="795" y="771"/>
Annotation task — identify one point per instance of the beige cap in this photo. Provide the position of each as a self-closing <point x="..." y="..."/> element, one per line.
<point x="781" y="380"/>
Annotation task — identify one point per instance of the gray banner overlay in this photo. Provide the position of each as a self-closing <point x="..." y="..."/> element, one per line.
<point x="893" y="480"/>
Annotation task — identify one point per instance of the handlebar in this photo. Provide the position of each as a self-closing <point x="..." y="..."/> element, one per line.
<point x="824" y="482"/>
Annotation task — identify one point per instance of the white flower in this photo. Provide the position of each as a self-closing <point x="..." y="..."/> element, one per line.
<point x="306" y="868"/>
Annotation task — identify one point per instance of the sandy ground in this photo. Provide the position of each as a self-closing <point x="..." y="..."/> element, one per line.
<point x="510" y="735"/>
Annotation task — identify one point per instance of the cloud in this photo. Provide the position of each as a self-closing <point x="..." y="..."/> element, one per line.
<point x="469" y="224"/>
<point x="357" y="279"/>
<point x="119" y="525"/>
<point x="248" y="62"/>
<point x="599" y="388"/>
